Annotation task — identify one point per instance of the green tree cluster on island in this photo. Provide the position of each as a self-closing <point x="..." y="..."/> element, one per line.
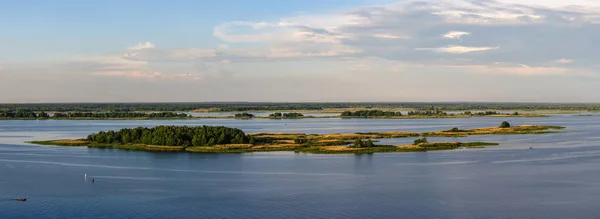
<point x="427" y="113"/>
<point x="487" y="113"/>
<point x="244" y="115"/>
<point x="173" y="136"/>
<point x="286" y="115"/>
<point x="370" y="113"/>
<point x="358" y="143"/>
<point x="505" y="124"/>
<point x="420" y="140"/>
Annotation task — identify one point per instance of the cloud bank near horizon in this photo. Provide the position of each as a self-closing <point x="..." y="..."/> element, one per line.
<point x="417" y="50"/>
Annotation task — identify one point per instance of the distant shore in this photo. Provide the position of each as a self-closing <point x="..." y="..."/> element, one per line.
<point x="189" y="117"/>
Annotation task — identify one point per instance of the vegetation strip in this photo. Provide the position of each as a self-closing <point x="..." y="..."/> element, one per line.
<point x="272" y="107"/>
<point x="374" y="114"/>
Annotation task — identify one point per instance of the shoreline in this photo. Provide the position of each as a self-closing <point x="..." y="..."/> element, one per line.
<point x="294" y="118"/>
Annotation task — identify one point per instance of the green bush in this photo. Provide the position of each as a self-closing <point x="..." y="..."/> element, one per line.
<point x="358" y="143"/>
<point x="420" y="140"/>
<point x="505" y="124"/>
<point x="300" y="141"/>
<point x="369" y="144"/>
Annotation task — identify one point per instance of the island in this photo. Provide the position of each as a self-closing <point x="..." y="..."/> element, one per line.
<point x="218" y="139"/>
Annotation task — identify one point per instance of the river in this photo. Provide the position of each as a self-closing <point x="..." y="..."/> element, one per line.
<point x="559" y="178"/>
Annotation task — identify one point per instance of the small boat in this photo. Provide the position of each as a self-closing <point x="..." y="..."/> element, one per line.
<point x="21" y="199"/>
<point x="530" y="148"/>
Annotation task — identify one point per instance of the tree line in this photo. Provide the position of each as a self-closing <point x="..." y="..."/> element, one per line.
<point x="23" y="115"/>
<point x="43" y="115"/>
<point x="486" y="113"/>
<point x="247" y="106"/>
<point x="119" y="115"/>
<point x="369" y="113"/>
<point x="173" y="136"/>
<point x="286" y="115"/>
<point x="380" y="113"/>
<point x="427" y="113"/>
<point x="244" y="115"/>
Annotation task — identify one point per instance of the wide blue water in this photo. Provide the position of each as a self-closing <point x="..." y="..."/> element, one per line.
<point x="560" y="178"/>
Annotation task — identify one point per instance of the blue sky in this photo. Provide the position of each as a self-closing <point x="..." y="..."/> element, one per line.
<point x="310" y="50"/>
<point x="36" y="27"/>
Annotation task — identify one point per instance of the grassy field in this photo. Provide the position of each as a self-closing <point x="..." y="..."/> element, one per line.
<point x="516" y="130"/>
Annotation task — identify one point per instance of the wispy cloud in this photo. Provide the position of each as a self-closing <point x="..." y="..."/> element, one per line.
<point x="401" y="31"/>
<point x="520" y="70"/>
<point x="564" y="61"/>
<point x="390" y="36"/>
<point x="457" y="49"/>
<point x="150" y="75"/>
<point x="141" y="45"/>
<point x="455" y="34"/>
<point x="468" y="42"/>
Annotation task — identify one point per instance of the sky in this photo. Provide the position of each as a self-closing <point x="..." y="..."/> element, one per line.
<point x="300" y="51"/>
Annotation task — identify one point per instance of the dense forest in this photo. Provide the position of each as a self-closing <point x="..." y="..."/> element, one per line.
<point x="73" y="115"/>
<point x="489" y="113"/>
<point x="427" y="113"/>
<point x="244" y="115"/>
<point x="247" y="106"/>
<point x="119" y="115"/>
<point x="286" y="115"/>
<point x="23" y="115"/>
<point x="173" y="136"/>
<point x="369" y="113"/>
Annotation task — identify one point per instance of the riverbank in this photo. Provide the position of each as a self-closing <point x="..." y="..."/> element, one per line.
<point x="450" y="116"/>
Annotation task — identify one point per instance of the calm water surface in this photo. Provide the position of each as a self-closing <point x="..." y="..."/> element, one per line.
<point x="560" y="178"/>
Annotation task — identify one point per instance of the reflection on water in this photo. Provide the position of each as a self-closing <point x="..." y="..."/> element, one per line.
<point x="557" y="179"/>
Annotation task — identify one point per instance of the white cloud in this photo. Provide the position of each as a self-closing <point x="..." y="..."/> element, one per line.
<point x="141" y="45"/>
<point x="78" y="66"/>
<point x="150" y="75"/>
<point x="564" y="61"/>
<point x="484" y="12"/>
<point x="521" y="70"/>
<point x="390" y="36"/>
<point x="458" y="49"/>
<point x="169" y="55"/>
<point x="333" y="53"/>
<point x="374" y="32"/>
<point x="556" y="3"/>
<point x="455" y="34"/>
